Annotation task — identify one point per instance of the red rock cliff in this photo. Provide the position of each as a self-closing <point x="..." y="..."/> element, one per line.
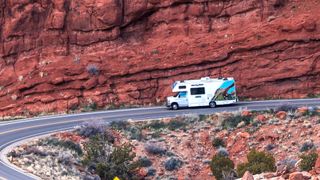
<point x="60" y="54"/>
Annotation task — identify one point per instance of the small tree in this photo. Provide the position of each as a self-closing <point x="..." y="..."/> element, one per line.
<point x="221" y="166"/>
<point x="258" y="162"/>
<point x="308" y="161"/>
<point x="120" y="163"/>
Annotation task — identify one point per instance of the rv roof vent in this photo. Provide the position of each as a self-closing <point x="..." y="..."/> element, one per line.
<point x="225" y="79"/>
<point x="205" y="78"/>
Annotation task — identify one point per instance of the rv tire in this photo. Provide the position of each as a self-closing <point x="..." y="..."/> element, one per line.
<point x="174" y="106"/>
<point x="212" y="104"/>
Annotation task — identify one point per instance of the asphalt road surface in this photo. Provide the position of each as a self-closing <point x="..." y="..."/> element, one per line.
<point x="15" y="131"/>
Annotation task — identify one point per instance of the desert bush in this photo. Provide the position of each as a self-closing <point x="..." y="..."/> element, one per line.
<point x="292" y="114"/>
<point x="308" y="161"/>
<point x="35" y="151"/>
<point x="218" y="142"/>
<point x="72" y="146"/>
<point x="155" y="51"/>
<point x="312" y="111"/>
<point x="222" y="152"/>
<point x="145" y="161"/>
<point x="258" y="162"/>
<point x="306" y="146"/>
<point x="172" y="163"/>
<point x="232" y="121"/>
<point x="13" y="154"/>
<point x="135" y="133"/>
<point x="287" y="108"/>
<point x="89" y="129"/>
<point x="269" y="147"/>
<point x="156" y="125"/>
<point x="203" y="117"/>
<point x="68" y="144"/>
<point x="120" y="163"/>
<point x="120" y="125"/>
<point x="65" y="158"/>
<point x="151" y="171"/>
<point x="176" y="124"/>
<point x="91" y="106"/>
<point x="156" y="134"/>
<point x="97" y="150"/>
<point x="93" y="69"/>
<point x="286" y="165"/>
<point x="192" y="118"/>
<point x="221" y="166"/>
<point x="155" y="148"/>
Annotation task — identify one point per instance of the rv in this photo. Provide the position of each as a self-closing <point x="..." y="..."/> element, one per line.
<point x="202" y="92"/>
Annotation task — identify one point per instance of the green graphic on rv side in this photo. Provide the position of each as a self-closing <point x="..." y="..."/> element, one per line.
<point x="227" y="91"/>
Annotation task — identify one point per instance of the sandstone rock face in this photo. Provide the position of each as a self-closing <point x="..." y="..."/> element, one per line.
<point x="140" y="47"/>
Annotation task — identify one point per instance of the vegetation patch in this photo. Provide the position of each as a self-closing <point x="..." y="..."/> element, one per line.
<point x="308" y="161"/>
<point x="258" y="162"/>
<point x="233" y="121"/>
<point x="221" y="166"/>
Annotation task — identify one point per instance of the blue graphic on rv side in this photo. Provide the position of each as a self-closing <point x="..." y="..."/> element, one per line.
<point x="226" y="91"/>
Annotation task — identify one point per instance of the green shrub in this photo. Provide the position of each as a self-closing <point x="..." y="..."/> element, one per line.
<point x="96" y="150"/>
<point x="308" y="161"/>
<point x="91" y="106"/>
<point x="65" y="144"/>
<point x="155" y="148"/>
<point x="218" y="142"/>
<point x="203" y="117"/>
<point x="91" y="128"/>
<point x="145" y="161"/>
<point x="233" y="121"/>
<point x="258" y="162"/>
<point x="93" y="69"/>
<point x="172" y="164"/>
<point x="306" y="146"/>
<point x="176" y="124"/>
<point x="156" y="134"/>
<point x="120" y="163"/>
<point x="221" y="166"/>
<point x="120" y="125"/>
<point x="156" y="125"/>
<point x="287" y="108"/>
<point x="110" y="162"/>
<point x="135" y="133"/>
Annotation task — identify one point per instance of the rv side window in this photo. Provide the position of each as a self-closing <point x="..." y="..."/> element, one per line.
<point x="182" y="87"/>
<point x="197" y="91"/>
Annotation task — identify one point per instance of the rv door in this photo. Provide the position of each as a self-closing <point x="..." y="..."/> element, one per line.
<point x="197" y="96"/>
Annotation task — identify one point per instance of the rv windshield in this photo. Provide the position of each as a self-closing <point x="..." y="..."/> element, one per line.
<point x="181" y="94"/>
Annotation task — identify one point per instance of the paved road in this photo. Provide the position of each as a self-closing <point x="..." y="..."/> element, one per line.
<point x="14" y="131"/>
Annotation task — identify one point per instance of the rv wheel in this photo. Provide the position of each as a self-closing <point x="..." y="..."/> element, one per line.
<point x="212" y="104"/>
<point x="174" y="106"/>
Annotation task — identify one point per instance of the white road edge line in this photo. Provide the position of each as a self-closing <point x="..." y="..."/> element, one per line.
<point x="7" y="147"/>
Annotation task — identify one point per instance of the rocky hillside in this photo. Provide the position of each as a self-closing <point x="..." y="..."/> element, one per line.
<point x="62" y="54"/>
<point x="277" y="144"/>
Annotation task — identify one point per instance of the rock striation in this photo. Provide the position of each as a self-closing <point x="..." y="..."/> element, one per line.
<point x="62" y="54"/>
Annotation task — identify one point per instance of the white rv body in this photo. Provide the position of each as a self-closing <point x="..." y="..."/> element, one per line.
<point x="203" y="92"/>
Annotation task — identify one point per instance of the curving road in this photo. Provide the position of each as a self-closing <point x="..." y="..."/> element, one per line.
<point x="16" y="131"/>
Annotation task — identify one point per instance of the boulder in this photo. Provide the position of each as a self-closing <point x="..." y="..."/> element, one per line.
<point x="281" y="115"/>
<point x="261" y="118"/>
<point x="247" y="176"/>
